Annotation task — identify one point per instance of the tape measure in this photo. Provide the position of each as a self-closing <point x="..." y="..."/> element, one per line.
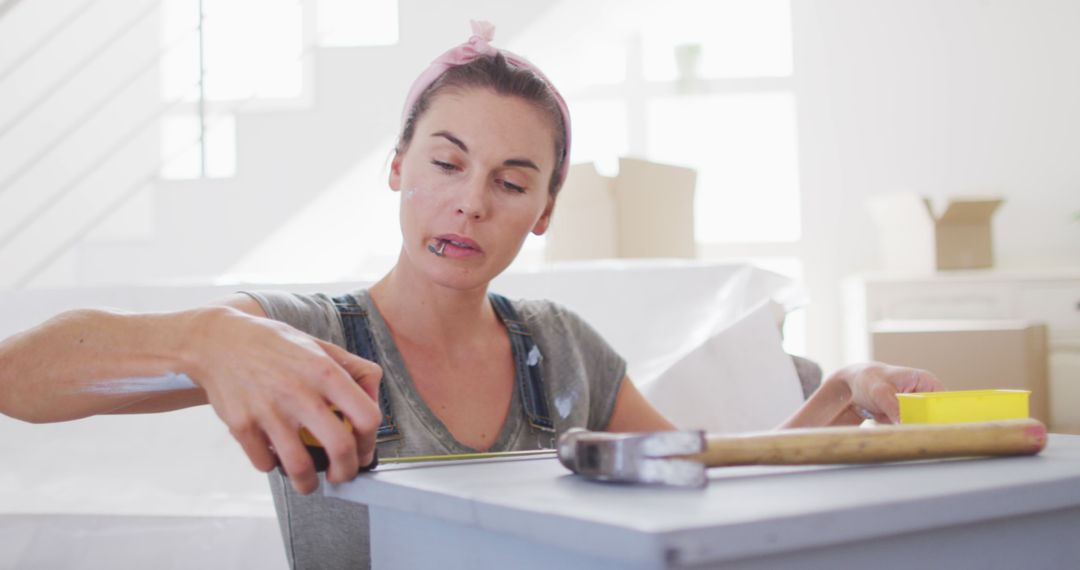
<point x="318" y="452"/>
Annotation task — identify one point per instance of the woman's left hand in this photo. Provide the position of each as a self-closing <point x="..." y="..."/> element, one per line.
<point x="874" y="386"/>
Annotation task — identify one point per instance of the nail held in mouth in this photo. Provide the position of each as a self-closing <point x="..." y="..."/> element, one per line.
<point x="438" y="252"/>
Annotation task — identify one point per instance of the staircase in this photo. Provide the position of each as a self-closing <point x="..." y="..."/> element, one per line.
<point x="81" y="201"/>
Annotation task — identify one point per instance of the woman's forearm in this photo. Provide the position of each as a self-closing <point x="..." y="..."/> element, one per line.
<point x="264" y="379"/>
<point x="831" y="404"/>
<point x="88" y="362"/>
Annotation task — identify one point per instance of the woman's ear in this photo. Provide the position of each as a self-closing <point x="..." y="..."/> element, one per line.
<point x="544" y="222"/>
<point x="395" y="172"/>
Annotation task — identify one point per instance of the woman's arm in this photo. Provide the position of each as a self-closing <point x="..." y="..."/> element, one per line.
<point x="634" y="413"/>
<point x="87" y="361"/>
<point x="861" y="391"/>
<point x="264" y="379"/>
<point x="847" y="397"/>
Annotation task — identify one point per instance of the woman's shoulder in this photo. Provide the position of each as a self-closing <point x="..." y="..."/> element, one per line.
<point x="313" y="313"/>
<point x="550" y="317"/>
<point x="539" y="310"/>
<point x="279" y="305"/>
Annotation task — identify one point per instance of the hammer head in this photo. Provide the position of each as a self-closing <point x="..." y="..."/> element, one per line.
<point x="635" y="457"/>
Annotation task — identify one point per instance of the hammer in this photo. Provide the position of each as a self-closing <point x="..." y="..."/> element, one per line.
<point x="681" y="457"/>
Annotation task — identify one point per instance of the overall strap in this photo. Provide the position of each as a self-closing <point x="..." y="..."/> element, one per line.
<point x="358" y="341"/>
<point x="527" y="361"/>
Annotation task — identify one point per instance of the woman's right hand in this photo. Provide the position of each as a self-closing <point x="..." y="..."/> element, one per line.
<point x="266" y="380"/>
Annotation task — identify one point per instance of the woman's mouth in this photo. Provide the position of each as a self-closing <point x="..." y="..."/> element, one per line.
<point x="454" y="246"/>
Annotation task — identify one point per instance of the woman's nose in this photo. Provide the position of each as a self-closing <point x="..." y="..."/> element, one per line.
<point x="472" y="201"/>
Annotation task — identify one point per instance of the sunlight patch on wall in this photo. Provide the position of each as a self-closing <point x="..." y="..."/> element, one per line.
<point x="349" y="231"/>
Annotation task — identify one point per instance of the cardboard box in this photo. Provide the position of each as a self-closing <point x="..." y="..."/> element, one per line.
<point x="970" y="354"/>
<point x="912" y="238"/>
<point x="655" y="209"/>
<point x="1065" y="385"/>
<point x="645" y="211"/>
<point x="583" y="225"/>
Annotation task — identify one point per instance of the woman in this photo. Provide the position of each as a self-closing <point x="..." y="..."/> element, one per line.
<point x="482" y="154"/>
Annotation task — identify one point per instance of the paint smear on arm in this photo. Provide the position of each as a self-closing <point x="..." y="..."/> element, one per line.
<point x="168" y="382"/>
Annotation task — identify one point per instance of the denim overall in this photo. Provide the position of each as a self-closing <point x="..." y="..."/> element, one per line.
<point x="527" y="366"/>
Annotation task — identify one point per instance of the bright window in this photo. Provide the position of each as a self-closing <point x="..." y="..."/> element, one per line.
<point x="244" y="52"/>
<point x="599" y="131"/>
<point x="726" y="38"/>
<point x="743" y="148"/>
<point x="252" y="48"/>
<point x="705" y="84"/>
<point x="353" y="23"/>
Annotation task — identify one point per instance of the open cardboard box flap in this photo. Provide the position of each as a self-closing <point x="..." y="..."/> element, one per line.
<point x="967" y="210"/>
<point x="912" y="238"/>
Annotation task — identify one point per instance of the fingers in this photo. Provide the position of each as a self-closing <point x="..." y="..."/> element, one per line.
<point x="293" y="456"/>
<point x="336" y="440"/>
<point x="894" y="379"/>
<point x="925" y="381"/>
<point x="874" y="386"/>
<point x="267" y="380"/>
<point x="887" y="408"/>
<point x="364" y="372"/>
<point x="364" y="413"/>
<point x="350" y="443"/>
<point x="255" y="445"/>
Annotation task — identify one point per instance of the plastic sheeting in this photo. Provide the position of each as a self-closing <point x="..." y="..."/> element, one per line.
<point x="655" y="312"/>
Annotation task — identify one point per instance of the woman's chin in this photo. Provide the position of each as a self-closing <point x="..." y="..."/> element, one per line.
<point x="462" y="274"/>
<point x="461" y="278"/>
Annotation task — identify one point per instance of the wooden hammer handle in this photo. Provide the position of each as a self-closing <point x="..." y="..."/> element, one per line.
<point x="831" y="445"/>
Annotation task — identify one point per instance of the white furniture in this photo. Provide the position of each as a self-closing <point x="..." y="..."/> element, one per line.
<point x="1051" y="297"/>
<point x="1019" y="512"/>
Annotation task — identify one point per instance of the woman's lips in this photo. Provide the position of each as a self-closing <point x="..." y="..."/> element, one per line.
<point x="459" y="241"/>
<point x="453" y="245"/>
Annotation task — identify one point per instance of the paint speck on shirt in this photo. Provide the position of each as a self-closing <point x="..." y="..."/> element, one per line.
<point x="534" y="356"/>
<point x="563" y="404"/>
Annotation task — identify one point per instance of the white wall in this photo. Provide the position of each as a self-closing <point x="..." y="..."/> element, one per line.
<point x="939" y="97"/>
<point x="77" y="125"/>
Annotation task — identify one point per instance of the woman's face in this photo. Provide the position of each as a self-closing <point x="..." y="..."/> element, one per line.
<point x="474" y="183"/>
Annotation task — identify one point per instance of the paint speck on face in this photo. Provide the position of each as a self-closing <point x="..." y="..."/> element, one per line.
<point x="534" y="356"/>
<point x="412" y="193"/>
<point x="167" y="382"/>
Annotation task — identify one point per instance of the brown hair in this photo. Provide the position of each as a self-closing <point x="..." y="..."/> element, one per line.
<point x="504" y="78"/>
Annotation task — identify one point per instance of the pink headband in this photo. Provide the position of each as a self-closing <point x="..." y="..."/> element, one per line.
<point x="479" y="46"/>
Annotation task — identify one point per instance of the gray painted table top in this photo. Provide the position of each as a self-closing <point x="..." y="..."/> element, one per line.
<point x="745" y="511"/>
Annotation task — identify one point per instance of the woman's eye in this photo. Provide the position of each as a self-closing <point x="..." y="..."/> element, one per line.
<point x="512" y="186"/>
<point x="444" y="166"/>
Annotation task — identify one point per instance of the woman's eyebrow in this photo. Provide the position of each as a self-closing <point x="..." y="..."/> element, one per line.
<point x="457" y="142"/>
<point x="522" y="162"/>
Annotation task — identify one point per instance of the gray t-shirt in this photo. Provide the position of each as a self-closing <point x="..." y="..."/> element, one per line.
<point x="581" y="376"/>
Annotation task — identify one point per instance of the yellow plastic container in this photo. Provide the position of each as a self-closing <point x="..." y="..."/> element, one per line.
<point x="963" y="406"/>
